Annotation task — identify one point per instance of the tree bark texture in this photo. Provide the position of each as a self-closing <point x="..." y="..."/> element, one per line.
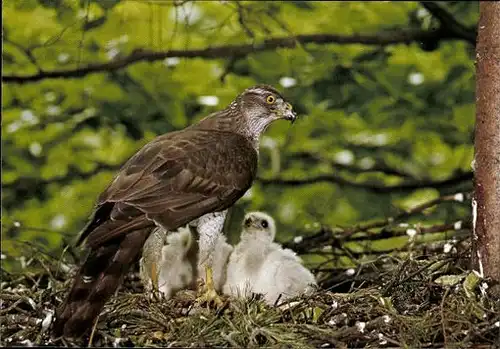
<point x="486" y="200"/>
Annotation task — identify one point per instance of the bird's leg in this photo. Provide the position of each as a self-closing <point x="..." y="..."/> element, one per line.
<point x="209" y="227"/>
<point x="207" y="293"/>
<point x="155" y="293"/>
<point x="154" y="276"/>
<point x="192" y="256"/>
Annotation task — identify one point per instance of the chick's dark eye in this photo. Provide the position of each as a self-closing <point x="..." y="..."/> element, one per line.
<point x="264" y="224"/>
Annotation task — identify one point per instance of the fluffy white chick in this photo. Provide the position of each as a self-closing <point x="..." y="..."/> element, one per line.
<point x="168" y="259"/>
<point x="176" y="269"/>
<point x="165" y="264"/>
<point x="219" y="262"/>
<point x="258" y="265"/>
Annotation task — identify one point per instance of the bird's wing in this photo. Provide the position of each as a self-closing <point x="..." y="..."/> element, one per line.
<point x="173" y="180"/>
<point x="292" y="274"/>
<point x="287" y="253"/>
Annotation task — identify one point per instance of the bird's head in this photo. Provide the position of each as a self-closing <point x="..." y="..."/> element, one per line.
<point x="251" y="112"/>
<point x="264" y="102"/>
<point x="259" y="225"/>
<point x="256" y="108"/>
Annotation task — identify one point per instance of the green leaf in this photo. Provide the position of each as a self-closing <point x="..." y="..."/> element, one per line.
<point x="449" y="280"/>
<point x="470" y="283"/>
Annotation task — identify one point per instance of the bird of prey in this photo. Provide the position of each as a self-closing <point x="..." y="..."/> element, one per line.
<point x="178" y="178"/>
<point x="258" y="265"/>
<point x="167" y="264"/>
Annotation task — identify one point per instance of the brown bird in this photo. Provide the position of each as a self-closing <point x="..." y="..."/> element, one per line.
<point x="189" y="176"/>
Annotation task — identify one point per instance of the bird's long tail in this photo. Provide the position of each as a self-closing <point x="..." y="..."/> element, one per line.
<point x="96" y="281"/>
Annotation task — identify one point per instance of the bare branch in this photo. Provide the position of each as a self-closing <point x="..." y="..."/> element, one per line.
<point x="229" y="67"/>
<point x="241" y="19"/>
<point x="82" y="40"/>
<point x="402" y="36"/>
<point x="402" y="231"/>
<point x="449" y="23"/>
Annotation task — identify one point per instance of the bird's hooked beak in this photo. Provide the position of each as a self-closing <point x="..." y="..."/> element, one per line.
<point x="259" y="228"/>
<point x="285" y="111"/>
<point x="249" y="222"/>
<point x="252" y="226"/>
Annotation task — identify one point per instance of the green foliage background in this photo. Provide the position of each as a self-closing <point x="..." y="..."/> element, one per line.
<point x="407" y="109"/>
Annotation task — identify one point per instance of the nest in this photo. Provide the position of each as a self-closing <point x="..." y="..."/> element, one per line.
<point x="418" y="301"/>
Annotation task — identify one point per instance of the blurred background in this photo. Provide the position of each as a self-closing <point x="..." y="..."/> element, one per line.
<point x="384" y="92"/>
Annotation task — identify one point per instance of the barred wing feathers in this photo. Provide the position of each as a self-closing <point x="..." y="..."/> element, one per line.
<point x="171" y="181"/>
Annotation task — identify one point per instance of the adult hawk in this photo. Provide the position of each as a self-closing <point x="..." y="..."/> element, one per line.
<point x="177" y="178"/>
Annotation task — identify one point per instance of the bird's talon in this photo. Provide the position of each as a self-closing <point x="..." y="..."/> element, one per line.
<point x="209" y="298"/>
<point x="207" y="293"/>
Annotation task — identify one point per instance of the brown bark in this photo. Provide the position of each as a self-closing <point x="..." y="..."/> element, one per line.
<point x="486" y="201"/>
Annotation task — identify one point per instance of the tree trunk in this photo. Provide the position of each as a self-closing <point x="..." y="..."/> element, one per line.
<point x="486" y="201"/>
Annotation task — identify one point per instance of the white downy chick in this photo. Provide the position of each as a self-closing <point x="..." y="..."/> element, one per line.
<point x="165" y="265"/>
<point x="220" y="261"/>
<point x="176" y="270"/>
<point x="258" y="265"/>
<point x="166" y="261"/>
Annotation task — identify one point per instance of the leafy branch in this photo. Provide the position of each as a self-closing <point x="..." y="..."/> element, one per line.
<point x="24" y="186"/>
<point x="327" y="236"/>
<point x="376" y="187"/>
<point x="383" y="38"/>
<point x="378" y="166"/>
<point x="26" y="51"/>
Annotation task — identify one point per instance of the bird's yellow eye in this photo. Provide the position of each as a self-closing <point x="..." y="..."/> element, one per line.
<point x="270" y="99"/>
